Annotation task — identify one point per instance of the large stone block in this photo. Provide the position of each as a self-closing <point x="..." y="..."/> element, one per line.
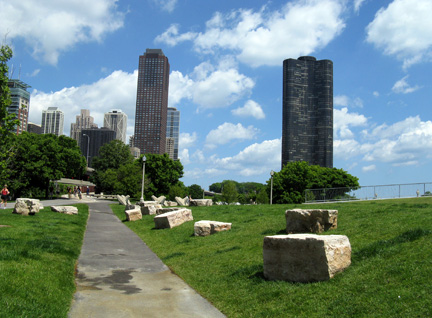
<point x="25" y="206"/>
<point x="65" y="209"/>
<point x="310" y="221"/>
<point x="133" y="215"/>
<point x="150" y="209"/>
<point x="169" y="203"/>
<point x="204" y="227"/>
<point x="172" y="219"/>
<point x="201" y="202"/>
<point x="305" y="257"/>
<point x="159" y="200"/>
<point x="181" y="201"/>
<point x="166" y="210"/>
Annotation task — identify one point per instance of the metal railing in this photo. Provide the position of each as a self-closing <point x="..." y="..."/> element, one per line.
<point x="391" y="191"/>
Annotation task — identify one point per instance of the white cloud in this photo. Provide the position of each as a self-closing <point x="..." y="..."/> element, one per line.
<point x="404" y="30"/>
<point x="376" y="94"/>
<point x="403" y="87"/>
<point x="64" y="23"/>
<point x="166" y="5"/>
<point x="343" y="100"/>
<point x="209" y="86"/>
<point x="267" y="38"/>
<point x="358" y="4"/>
<point x="251" y="108"/>
<point x="369" y="168"/>
<point x="227" y="132"/>
<point x="342" y="120"/>
<point x="255" y="159"/>
<point x="116" y="91"/>
<point x="187" y="140"/>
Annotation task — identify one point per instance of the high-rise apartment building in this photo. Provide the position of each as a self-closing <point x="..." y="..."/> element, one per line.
<point x="20" y="103"/>
<point x="173" y="131"/>
<point x="117" y="121"/>
<point x="307" y="116"/>
<point x="52" y="121"/>
<point x="83" y="121"/>
<point x="152" y="102"/>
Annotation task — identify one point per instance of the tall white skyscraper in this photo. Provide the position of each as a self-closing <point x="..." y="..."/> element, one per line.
<point x="52" y="121"/>
<point x="117" y="121"/>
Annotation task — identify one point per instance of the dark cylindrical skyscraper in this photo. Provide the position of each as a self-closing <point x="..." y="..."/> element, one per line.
<point x="307" y="115"/>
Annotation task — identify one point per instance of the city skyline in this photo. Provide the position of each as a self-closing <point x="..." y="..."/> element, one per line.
<point x="226" y="75"/>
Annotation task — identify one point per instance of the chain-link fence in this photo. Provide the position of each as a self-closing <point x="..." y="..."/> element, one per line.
<point x="390" y="191"/>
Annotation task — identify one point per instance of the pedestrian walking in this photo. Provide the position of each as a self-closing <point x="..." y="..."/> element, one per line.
<point x="79" y="192"/>
<point x="4" y="195"/>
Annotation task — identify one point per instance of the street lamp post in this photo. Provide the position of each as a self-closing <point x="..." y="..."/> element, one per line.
<point x="88" y="144"/>
<point x="142" y="187"/>
<point x="271" y="187"/>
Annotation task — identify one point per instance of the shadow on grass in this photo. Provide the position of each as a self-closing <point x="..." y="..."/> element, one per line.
<point x="177" y="254"/>
<point x="382" y="246"/>
<point x="228" y="249"/>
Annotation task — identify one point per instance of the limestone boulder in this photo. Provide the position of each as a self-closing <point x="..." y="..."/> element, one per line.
<point x="25" y="206"/>
<point x="166" y="210"/>
<point x="159" y="200"/>
<point x="169" y="203"/>
<point x="180" y="201"/>
<point x="310" y="220"/>
<point x="150" y="209"/>
<point x="201" y="202"/>
<point x="305" y="257"/>
<point x="133" y="215"/>
<point x="173" y="219"/>
<point x="204" y="227"/>
<point x="122" y="199"/>
<point x="71" y="210"/>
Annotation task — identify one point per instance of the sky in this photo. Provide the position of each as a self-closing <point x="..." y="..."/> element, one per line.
<point x="226" y="75"/>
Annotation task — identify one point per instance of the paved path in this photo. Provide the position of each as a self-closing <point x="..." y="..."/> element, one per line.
<point x="119" y="276"/>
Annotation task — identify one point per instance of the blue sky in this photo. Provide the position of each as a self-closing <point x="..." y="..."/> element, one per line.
<point x="226" y="75"/>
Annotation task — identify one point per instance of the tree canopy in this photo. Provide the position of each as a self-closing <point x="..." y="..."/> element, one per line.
<point x="7" y="121"/>
<point x="41" y="158"/>
<point x="295" y="177"/>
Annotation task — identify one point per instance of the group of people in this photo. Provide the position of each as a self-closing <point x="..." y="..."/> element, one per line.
<point x="77" y="192"/>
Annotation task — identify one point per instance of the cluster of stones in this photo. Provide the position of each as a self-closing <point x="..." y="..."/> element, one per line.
<point x="302" y="255"/>
<point x="174" y="216"/>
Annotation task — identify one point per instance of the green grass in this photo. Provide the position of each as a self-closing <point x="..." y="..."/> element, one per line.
<point x="390" y="274"/>
<point x="37" y="262"/>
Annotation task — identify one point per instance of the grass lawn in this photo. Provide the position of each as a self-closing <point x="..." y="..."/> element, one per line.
<point x="37" y="262"/>
<point x="390" y="274"/>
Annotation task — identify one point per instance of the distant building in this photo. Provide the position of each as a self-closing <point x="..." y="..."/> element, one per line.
<point x="307" y="118"/>
<point x="135" y="152"/>
<point x="92" y="139"/>
<point x="52" y="121"/>
<point x="83" y="121"/>
<point x="117" y="121"/>
<point x="34" y="128"/>
<point x="152" y="102"/>
<point x="131" y="141"/>
<point x="173" y="131"/>
<point x="20" y="105"/>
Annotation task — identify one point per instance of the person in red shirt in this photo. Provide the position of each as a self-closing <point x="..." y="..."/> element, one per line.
<point x="4" y="195"/>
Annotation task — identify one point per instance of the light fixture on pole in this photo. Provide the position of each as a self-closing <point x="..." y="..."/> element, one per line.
<point x="142" y="187"/>
<point x="271" y="187"/>
<point x="88" y="144"/>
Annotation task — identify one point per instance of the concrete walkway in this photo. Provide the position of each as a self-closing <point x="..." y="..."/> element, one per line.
<point x="119" y="276"/>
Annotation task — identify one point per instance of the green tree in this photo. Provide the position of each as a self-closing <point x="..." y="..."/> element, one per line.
<point x="177" y="190"/>
<point x="195" y="191"/>
<point x="41" y="158"/>
<point x="161" y="173"/>
<point x="112" y="155"/>
<point x="229" y="192"/>
<point x="295" y="177"/>
<point x="262" y="197"/>
<point x="7" y="121"/>
<point x="216" y="187"/>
